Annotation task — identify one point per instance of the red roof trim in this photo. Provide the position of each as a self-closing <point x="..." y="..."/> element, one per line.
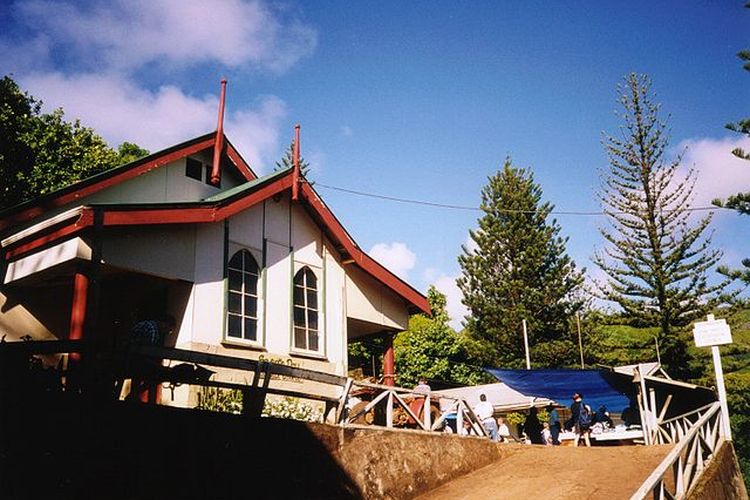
<point x="85" y="189"/>
<point x="125" y="216"/>
<point x="239" y="162"/>
<point x="367" y="263"/>
<point x="85" y="220"/>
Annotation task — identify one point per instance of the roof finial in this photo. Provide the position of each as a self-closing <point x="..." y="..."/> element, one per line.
<point x="219" y="143"/>
<point x="295" y="168"/>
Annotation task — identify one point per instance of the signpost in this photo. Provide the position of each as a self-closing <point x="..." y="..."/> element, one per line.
<point x="714" y="333"/>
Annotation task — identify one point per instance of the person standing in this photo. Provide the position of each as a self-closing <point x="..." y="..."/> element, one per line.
<point x="532" y="427"/>
<point x="553" y="419"/>
<point x="485" y="412"/>
<point x="581" y="419"/>
<point x="149" y="332"/>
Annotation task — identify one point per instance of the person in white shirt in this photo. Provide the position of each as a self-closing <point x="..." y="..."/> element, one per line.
<point x="485" y="413"/>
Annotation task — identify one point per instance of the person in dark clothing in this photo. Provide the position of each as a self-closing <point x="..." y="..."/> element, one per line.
<point x="533" y="428"/>
<point x="582" y="419"/>
<point x="555" y="427"/>
<point x="602" y="415"/>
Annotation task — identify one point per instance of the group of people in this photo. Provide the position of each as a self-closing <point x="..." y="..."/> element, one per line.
<point x="548" y="433"/>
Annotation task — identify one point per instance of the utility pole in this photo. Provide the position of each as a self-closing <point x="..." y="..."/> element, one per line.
<point x="580" y="342"/>
<point x="526" y="345"/>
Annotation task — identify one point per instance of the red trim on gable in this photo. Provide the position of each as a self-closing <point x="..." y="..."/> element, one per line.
<point x="367" y="263"/>
<point x="123" y="216"/>
<point x="130" y="217"/>
<point x="85" y="220"/>
<point x="88" y="189"/>
<point x="239" y="162"/>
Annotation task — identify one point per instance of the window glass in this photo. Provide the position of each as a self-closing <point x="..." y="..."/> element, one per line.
<point x="305" y="297"/>
<point x="194" y="169"/>
<point x="242" y="296"/>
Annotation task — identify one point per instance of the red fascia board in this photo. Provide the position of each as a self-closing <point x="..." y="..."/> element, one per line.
<point x="88" y="189"/>
<point x="85" y="220"/>
<point x="242" y="166"/>
<point x="191" y="215"/>
<point x="278" y="186"/>
<point x="367" y="263"/>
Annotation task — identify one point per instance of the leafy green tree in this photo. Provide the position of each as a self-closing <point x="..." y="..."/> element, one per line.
<point x="16" y="156"/>
<point x="431" y="348"/>
<point x="41" y="152"/>
<point x="656" y="260"/>
<point x="519" y="270"/>
<point x="128" y="152"/>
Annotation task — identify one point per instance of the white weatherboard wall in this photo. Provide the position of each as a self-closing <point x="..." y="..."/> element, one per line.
<point x="207" y="297"/>
<point x="271" y="222"/>
<point x="167" y="251"/>
<point x="370" y="301"/>
<point x="168" y="183"/>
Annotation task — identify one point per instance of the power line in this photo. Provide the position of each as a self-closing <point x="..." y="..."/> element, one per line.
<point x="477" y="209"/>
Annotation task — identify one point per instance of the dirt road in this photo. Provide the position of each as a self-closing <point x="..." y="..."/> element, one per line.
<point x="558" y="472"/>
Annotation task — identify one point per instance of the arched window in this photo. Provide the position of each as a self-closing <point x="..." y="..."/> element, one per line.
<point x="306" y="336"/>
<point x="242" y="303"/>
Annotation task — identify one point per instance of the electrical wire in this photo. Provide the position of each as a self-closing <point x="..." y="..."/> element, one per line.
<point x="477" y="209"/>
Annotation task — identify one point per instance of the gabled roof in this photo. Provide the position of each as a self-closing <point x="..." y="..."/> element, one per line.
<point x="213" y="209"/>
<point x="33" y="208"/>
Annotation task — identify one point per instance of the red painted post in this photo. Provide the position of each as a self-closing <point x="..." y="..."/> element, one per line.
<point x="389" y="370"/>
<point x="219" y="143"/>
<point x="78" y="309"/>
<point x="295" y="169"/>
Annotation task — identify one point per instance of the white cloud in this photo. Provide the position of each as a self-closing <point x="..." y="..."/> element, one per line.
<point x="720" y="173"/>
<point x="456" y="310"/>
<point x="395" y="256"/>
<point x="120" y="111"/>
<point x="128" y="34"/>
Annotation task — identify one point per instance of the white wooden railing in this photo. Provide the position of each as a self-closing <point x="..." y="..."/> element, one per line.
<point x="395" y="405"/>
<point x="697" y="436"/>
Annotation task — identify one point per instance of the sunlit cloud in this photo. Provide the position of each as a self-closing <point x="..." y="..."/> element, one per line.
<point x="120" y="111"/>
<point x="128" y="34"/>
<point x="395" y="256"/>
<point x="720" y="173"/>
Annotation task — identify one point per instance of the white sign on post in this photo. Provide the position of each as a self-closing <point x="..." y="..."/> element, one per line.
<point x="712" y="332"/>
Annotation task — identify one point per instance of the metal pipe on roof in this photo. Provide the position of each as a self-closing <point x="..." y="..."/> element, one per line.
<point x="295" y="171"/>
<point x="219" y="144"/>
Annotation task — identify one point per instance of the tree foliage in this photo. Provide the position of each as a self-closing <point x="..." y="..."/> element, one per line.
<point x="431" y="348"/>
<point x="656" y="260"/>
<point x="287" y="161"/>
<point x="41" y="152"/>
<point x="739" y="201"/>
<point x="519" y="270"/>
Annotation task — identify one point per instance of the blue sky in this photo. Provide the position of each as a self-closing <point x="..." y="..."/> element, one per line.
<point x="419" y="100"/>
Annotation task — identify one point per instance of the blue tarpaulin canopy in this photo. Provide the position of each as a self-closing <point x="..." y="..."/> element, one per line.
<point x="598" y="387"/>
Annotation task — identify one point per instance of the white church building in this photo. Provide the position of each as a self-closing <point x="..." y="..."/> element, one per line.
<point x="249" y="266"/>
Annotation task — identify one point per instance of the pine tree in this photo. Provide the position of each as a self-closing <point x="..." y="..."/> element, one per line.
<point x="739" y="201"/>
<point x="656" y="259"/>
<point x="519" y="270"/>
<point x="287" y="161"/>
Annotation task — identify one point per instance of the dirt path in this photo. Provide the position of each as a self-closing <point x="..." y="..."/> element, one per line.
<point x="558" y="472"/>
